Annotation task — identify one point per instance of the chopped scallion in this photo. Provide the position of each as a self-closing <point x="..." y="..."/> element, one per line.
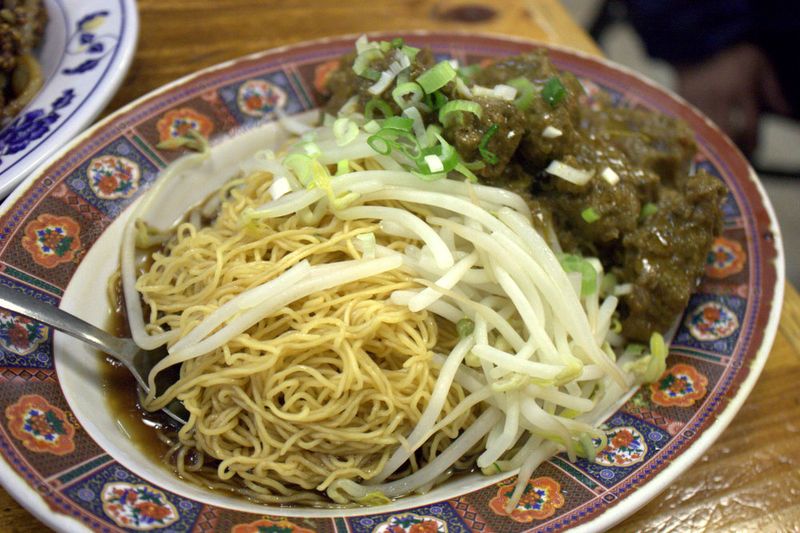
<point x="435" y="100"/>
<point x="449" y="110"/>
<point x="590" y="215"/>
<point x="553" y="91"/>
<point x="576" y="263"/>
<point x="345" y="131"/>
<point x="487" y="155"/>
<point x="648" y="209"/>
<point x="376" y="104"/>
<point x="407" y="94"/>
<point x="525" y="92"/>
<point x="410" y="52"/>
<point x="436" y="77"/>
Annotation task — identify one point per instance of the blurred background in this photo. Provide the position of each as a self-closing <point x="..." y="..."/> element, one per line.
<point x="773" y="140"/>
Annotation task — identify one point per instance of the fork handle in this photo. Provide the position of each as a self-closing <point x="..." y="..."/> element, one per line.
<point x="19" y="302"/>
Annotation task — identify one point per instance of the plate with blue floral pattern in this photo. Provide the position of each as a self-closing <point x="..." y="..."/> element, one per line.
<point x="87" y="48"/>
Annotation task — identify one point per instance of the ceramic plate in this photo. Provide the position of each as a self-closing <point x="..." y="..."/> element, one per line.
<point x="65" y="458"/>
<point x="87" y="48"/>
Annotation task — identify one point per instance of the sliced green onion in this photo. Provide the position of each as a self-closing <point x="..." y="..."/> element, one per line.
<point x="419" y="125"/>
<point x="345" y="131"/>
<point x="474" y="165"/>
<point x="576" y="263"/>
<point x="436" y="77"/>
<point x="362" y="63"/>
<point x="431" y="132"/>
<point x="410" y="52"/>
<point x="407" y="94"/>
<point x="301" y="167"/>
<point x="379" y="105"/>
<point x="372" y="126"/>
<point x="444" y="151"/>
<point x="434" y="163"/>
<point x="312" y="149"/>
<point x="648" y="209"/>
<point x="467" y="173"/>
<point x="448" y="110"/>
<point x="435" y="100"/>
<point x="397" y="42"/>
<point x="465" y="327"/>
<point x="525" y="92"/>
<point x="398" y="123"/>
<point x="590" y="215"/>
<point x="553" y="91"/>
<point x="379" y="144"/>
<point x="486" y="154"/>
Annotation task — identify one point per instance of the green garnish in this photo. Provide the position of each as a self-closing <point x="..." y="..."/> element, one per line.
<point x="436" y="77"/>
<point x="487" y="155"/>
<point x="407" y="94"/>
<point x="525" y="92"/>
<point x="449" y="110"/>
<point x="436" y="100"/>
<point x="576" y="263"/>
<point x="553" y="91"/>
<point x="648" y="209"/>
<point x="590" y="215"/>
<point x="376" y="104"/>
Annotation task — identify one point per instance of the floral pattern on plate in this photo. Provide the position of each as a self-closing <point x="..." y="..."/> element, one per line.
<point x="52" y="239"/>
<point x="40" y="426"/>
<point x="681" y="385"/>
<point x="712" y="321"/>
<point x="112" y="177"/>
<point x="20" y="334"/>
<point x="541" y="499"/>
<point x="139" y="507"/>
<point x="726" y="258"/>
<point x="178" y="123"/>
<point x="626" y="447"/>
<point x="411" y="523"/>
<point x="260" y="97"/>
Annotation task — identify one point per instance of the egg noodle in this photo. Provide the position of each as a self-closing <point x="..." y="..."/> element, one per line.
<point x="350" y="332"/>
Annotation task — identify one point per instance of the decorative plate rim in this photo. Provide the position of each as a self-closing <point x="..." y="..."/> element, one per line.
<point x="623" y="507"/>
<point x="98" y="90"/>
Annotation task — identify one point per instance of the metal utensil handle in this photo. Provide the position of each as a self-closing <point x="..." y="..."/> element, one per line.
<point x="21" y="303"/>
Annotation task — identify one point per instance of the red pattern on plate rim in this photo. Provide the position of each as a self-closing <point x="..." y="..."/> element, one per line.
<point x="52" y="239"/>
<point x="541" y="499"/>
<point x="40" y="426"/>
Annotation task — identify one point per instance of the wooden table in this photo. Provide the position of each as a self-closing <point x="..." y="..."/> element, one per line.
<point x="748" y="480"/>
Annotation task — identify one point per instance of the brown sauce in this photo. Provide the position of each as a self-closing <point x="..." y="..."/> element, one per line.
<point x="122" y="394"/>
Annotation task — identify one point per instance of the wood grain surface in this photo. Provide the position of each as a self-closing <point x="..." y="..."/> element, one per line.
<point x="750" y="478"/>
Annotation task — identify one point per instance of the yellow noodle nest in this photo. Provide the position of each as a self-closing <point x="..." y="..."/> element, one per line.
<point x="321" y="390"/>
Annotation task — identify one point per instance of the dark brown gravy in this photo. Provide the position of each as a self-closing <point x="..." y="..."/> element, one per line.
<point x="122" y="396"/>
